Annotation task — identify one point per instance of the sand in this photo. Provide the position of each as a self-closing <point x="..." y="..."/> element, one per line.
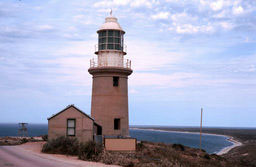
<point x="227" y="149"/>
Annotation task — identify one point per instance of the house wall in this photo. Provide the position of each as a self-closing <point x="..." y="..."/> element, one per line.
<point x="57" y="126"/>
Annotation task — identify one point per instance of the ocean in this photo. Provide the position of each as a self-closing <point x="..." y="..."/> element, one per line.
<point x="210" y="143"/>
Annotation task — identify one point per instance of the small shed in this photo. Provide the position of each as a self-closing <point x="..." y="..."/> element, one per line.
<point x="73" y="122"/>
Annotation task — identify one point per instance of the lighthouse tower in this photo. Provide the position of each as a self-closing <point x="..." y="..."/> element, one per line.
<point x="110" y="71"/>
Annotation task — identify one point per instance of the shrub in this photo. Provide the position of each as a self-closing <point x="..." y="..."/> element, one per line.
<point x="45" y="137"/>
<point x="89" y="151"/>
<point x="62" y="145"/>
<point x="140" y="146"/>
<point x="207" y="156"/>
<point x="178" y="147"/>
<point x="24" y="140"/>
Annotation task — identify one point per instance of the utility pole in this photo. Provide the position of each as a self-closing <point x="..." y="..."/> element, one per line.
<point x="201" y="124"/>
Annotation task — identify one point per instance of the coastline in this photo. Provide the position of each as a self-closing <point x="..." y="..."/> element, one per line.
<point x="225" y="150"/>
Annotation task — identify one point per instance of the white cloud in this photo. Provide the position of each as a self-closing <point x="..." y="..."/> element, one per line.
<point x="192" y="29"/>
<point x="45" y="27"/>
<point x="162" y="80"/>
<point x="217" y="5"/>
<point x="226" y="25"/>
<point x="238" y="10"/>
<point x="221" y="14"/>
<point x="77" y="48"/>
<point x="160" y="15"/>
<point x="131" y="3"/>
<point x="71" y="70"/>
<point x="183" y="18"/>
<point x="79" y="17"/>
<point x="139" y="3"/>
<point x="183" y="23"/>
<point x="151" y="56"/>
<point x="107" y="3"/>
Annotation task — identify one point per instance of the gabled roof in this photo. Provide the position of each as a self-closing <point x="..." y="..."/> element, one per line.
<point x="69" y="106"/>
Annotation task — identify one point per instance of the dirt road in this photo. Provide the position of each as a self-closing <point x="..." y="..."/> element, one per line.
<point x="17" y="156"/>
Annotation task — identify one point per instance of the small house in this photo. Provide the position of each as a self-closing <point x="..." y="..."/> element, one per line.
<point x="73" y="122"/>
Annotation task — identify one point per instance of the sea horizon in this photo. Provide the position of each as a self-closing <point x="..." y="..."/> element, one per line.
<point x="167" y="126"/>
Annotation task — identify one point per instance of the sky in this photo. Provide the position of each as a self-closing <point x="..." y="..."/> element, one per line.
<point x="186" y="54"/>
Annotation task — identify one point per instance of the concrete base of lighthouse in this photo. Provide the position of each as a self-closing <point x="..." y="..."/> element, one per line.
<point x="110" y="102"/>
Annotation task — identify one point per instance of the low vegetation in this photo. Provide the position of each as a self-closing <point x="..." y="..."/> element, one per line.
<point x="45" y="137"/>
<point x="62" y="145"/>
<point x="147" y="154"/>
<point x="70" y="146"/>
<point x="157" y="154"/>
<point x="15" y="140"/>
<point x="89" y="151"/>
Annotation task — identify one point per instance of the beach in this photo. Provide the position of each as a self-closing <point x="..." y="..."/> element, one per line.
<point x="227" y="149"/>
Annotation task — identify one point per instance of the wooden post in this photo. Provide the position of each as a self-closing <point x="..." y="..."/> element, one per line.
<point x="201" y="129"/>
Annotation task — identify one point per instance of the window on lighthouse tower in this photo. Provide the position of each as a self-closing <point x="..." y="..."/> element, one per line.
<point x="115" y="81"/>
<point x="117" y="123"/>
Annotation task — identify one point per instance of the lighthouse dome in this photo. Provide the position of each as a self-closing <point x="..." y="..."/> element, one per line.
<point x="111" y="24"/>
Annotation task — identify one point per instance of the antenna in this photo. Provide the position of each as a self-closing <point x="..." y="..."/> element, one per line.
<point x="201" y="124"/>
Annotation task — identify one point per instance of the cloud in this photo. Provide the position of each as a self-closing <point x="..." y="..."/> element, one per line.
<point x="183" y="23"/>
<point x="160" y="15"/>
<point x="226" y="25"/>
<point x="151" y="56"/>
<point x="238" y="10"/>
<point x="130" y="3"/>
<point x="141" y="3"/>
<point x="217" y="5"/>
<point x="162" y="80"/>
<point x="45" y="27"/>
<point x="192" y="29"/>
<point x="82" y="48"/>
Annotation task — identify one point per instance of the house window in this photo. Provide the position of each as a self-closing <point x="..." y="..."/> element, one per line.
<point x="115" y="81"/>
<point x="116" y="123"/>
<point x="71" y="127"/>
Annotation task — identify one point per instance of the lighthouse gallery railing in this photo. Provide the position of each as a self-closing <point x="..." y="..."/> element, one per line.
<point x="125" y="64"/>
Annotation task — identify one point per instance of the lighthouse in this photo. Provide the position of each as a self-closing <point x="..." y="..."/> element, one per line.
<point x="110" y="71"/>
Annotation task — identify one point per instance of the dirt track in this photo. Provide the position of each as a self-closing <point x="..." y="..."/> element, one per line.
<point x="28" y="155"/>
